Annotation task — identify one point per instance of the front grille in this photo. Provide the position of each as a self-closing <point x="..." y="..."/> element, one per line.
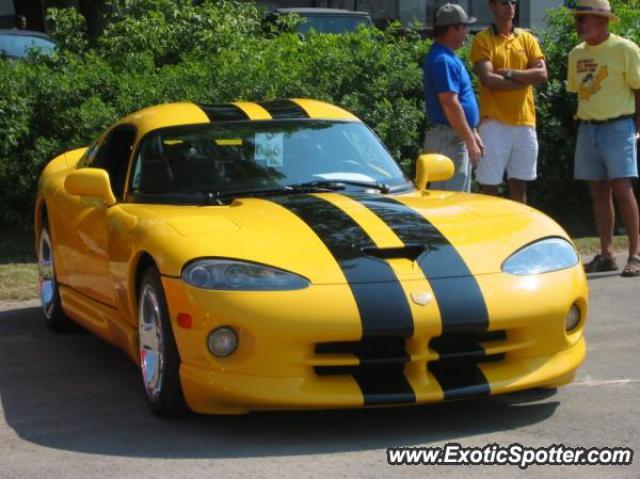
<point x="467" y="346"/>
<point x="373" y="353"/>
<point x="378" y="364"/>
<point x="459" y="354"/>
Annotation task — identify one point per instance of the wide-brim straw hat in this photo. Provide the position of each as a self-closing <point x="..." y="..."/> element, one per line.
<point x="601" y="8"/>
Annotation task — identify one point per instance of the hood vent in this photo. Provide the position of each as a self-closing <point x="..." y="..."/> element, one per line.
<point x="410" y="252"/>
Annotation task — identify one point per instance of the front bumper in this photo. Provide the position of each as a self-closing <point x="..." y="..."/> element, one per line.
<point x="280" y="365"/>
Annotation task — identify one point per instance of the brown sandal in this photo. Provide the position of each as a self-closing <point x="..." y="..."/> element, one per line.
<point x="632" y="268"/>
<point x="600" y="264"/>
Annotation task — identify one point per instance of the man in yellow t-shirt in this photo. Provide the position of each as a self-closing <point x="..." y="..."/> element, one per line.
<point x="509" y="62"/>
<point x="604" y="70"/>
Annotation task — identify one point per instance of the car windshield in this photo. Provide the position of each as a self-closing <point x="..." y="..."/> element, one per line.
<point x="332" y="23"/>
<point x="18" y="46"/>
<point x="264" y="156"/>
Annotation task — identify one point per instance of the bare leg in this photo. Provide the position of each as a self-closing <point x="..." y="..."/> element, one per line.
<point x="518" y="190"/>
<point x="604" y="215"/>
<point x="623" y="194"/>
<point x="636" y="190"/>
<point x="493" y="190"/>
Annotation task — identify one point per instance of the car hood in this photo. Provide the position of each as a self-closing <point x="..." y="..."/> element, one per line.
<point x="328" y="237"/>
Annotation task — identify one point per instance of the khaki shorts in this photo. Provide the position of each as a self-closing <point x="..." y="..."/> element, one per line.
<point x="444" y="140"/>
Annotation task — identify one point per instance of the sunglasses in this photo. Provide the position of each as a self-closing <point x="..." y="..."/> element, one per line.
<point x="513" y="3"/>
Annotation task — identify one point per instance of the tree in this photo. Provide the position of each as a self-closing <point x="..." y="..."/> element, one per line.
<point x="92" y="10"/>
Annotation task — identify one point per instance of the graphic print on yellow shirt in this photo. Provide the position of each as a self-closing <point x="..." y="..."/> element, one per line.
<point x="592" y="81"/>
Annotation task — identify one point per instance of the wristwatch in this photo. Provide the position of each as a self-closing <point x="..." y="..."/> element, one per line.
<point x="509" y="74"/>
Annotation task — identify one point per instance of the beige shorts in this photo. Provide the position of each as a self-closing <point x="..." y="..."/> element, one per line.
<point x="444" y="140"/>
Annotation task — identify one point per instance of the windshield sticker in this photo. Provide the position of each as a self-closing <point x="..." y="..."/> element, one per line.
<point x="337" y="176"/>
<point x="229" y="142"/>
<point x="269" y="151"/>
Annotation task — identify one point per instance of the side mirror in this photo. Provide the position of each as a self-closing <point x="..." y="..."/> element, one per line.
<point x="90" y="182"/>
<point x="433" y="167"/>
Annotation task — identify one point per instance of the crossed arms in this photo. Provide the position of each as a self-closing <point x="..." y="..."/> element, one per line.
<point x="496" y="79"/>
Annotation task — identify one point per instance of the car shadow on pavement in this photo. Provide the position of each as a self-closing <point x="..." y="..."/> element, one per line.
<point x="75" y="392"/>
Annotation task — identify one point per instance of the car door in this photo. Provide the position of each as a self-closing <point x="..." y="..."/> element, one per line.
<point x="86" y="241"/>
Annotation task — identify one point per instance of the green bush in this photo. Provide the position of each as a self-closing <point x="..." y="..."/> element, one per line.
<point x="155" y="51"/>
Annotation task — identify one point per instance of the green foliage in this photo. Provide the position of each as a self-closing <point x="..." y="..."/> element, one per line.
<point x="69" y="28"/>
<point x="171" y="29"/>
<point x="555" y="191"/>
<point x="155" y="51"/>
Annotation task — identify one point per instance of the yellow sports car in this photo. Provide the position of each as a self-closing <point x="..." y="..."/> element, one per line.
<point x="253" y="256"/>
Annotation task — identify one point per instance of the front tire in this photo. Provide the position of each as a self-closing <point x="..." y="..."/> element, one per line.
<point x="159" y="358"/>
<point x="54" y="316"/>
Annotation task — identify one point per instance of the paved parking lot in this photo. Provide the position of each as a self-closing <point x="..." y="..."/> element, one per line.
<point x="72" y="406"/>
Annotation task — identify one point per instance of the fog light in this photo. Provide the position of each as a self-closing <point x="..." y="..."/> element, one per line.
<point x="573" y="318"/>
<point x="223" y="342"/>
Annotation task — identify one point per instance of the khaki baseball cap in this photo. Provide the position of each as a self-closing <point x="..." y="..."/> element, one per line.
<point x="452" y="14"/>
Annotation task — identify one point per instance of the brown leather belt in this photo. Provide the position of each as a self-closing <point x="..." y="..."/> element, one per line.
<point x="604" y="122"/>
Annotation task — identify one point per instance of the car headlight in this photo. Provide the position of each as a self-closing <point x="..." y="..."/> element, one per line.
<point x="544" y="256"/>
<point x="232" y="275"/>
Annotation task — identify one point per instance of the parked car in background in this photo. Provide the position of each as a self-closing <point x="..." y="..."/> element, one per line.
<point x="529" y="14"/>
<point x="18" y="43"/>
<point x="323" y="20"/>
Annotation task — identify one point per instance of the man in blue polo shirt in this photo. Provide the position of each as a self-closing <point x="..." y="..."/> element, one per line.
<point x="451" y="103"/>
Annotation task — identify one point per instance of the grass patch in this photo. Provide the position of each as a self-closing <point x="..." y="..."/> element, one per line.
<point x="591" y="245"/>
<point x="18" y="281"/>
<point x="18" y="268"/>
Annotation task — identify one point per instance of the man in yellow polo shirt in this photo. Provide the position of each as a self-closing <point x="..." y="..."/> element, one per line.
<point x="508" y="62"/>
<point x="604" y="70"/>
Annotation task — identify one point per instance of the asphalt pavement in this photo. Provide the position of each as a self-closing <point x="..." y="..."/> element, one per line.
<point x="72" y="406"/>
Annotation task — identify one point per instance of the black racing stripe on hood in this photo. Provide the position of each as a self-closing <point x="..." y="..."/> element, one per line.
<point x="381" y="301"/>
<point x="224" y="112"/>
<point x="284" y="109"/>
<point x="458" y="295"/>
<point x="382" y="304"/>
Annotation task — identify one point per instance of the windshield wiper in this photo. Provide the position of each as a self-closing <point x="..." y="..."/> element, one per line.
<point x="318" y="186"/>
<point x="218" y="197"/>
<point x="339" y="185"/>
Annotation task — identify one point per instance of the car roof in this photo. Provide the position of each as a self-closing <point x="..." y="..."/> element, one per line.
<point x="25" y="33"/>
<point x="321" y="11"/>
<point x="177" y="114"/>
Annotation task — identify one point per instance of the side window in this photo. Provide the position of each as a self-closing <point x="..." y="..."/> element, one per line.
<point x="113" y="155"/>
